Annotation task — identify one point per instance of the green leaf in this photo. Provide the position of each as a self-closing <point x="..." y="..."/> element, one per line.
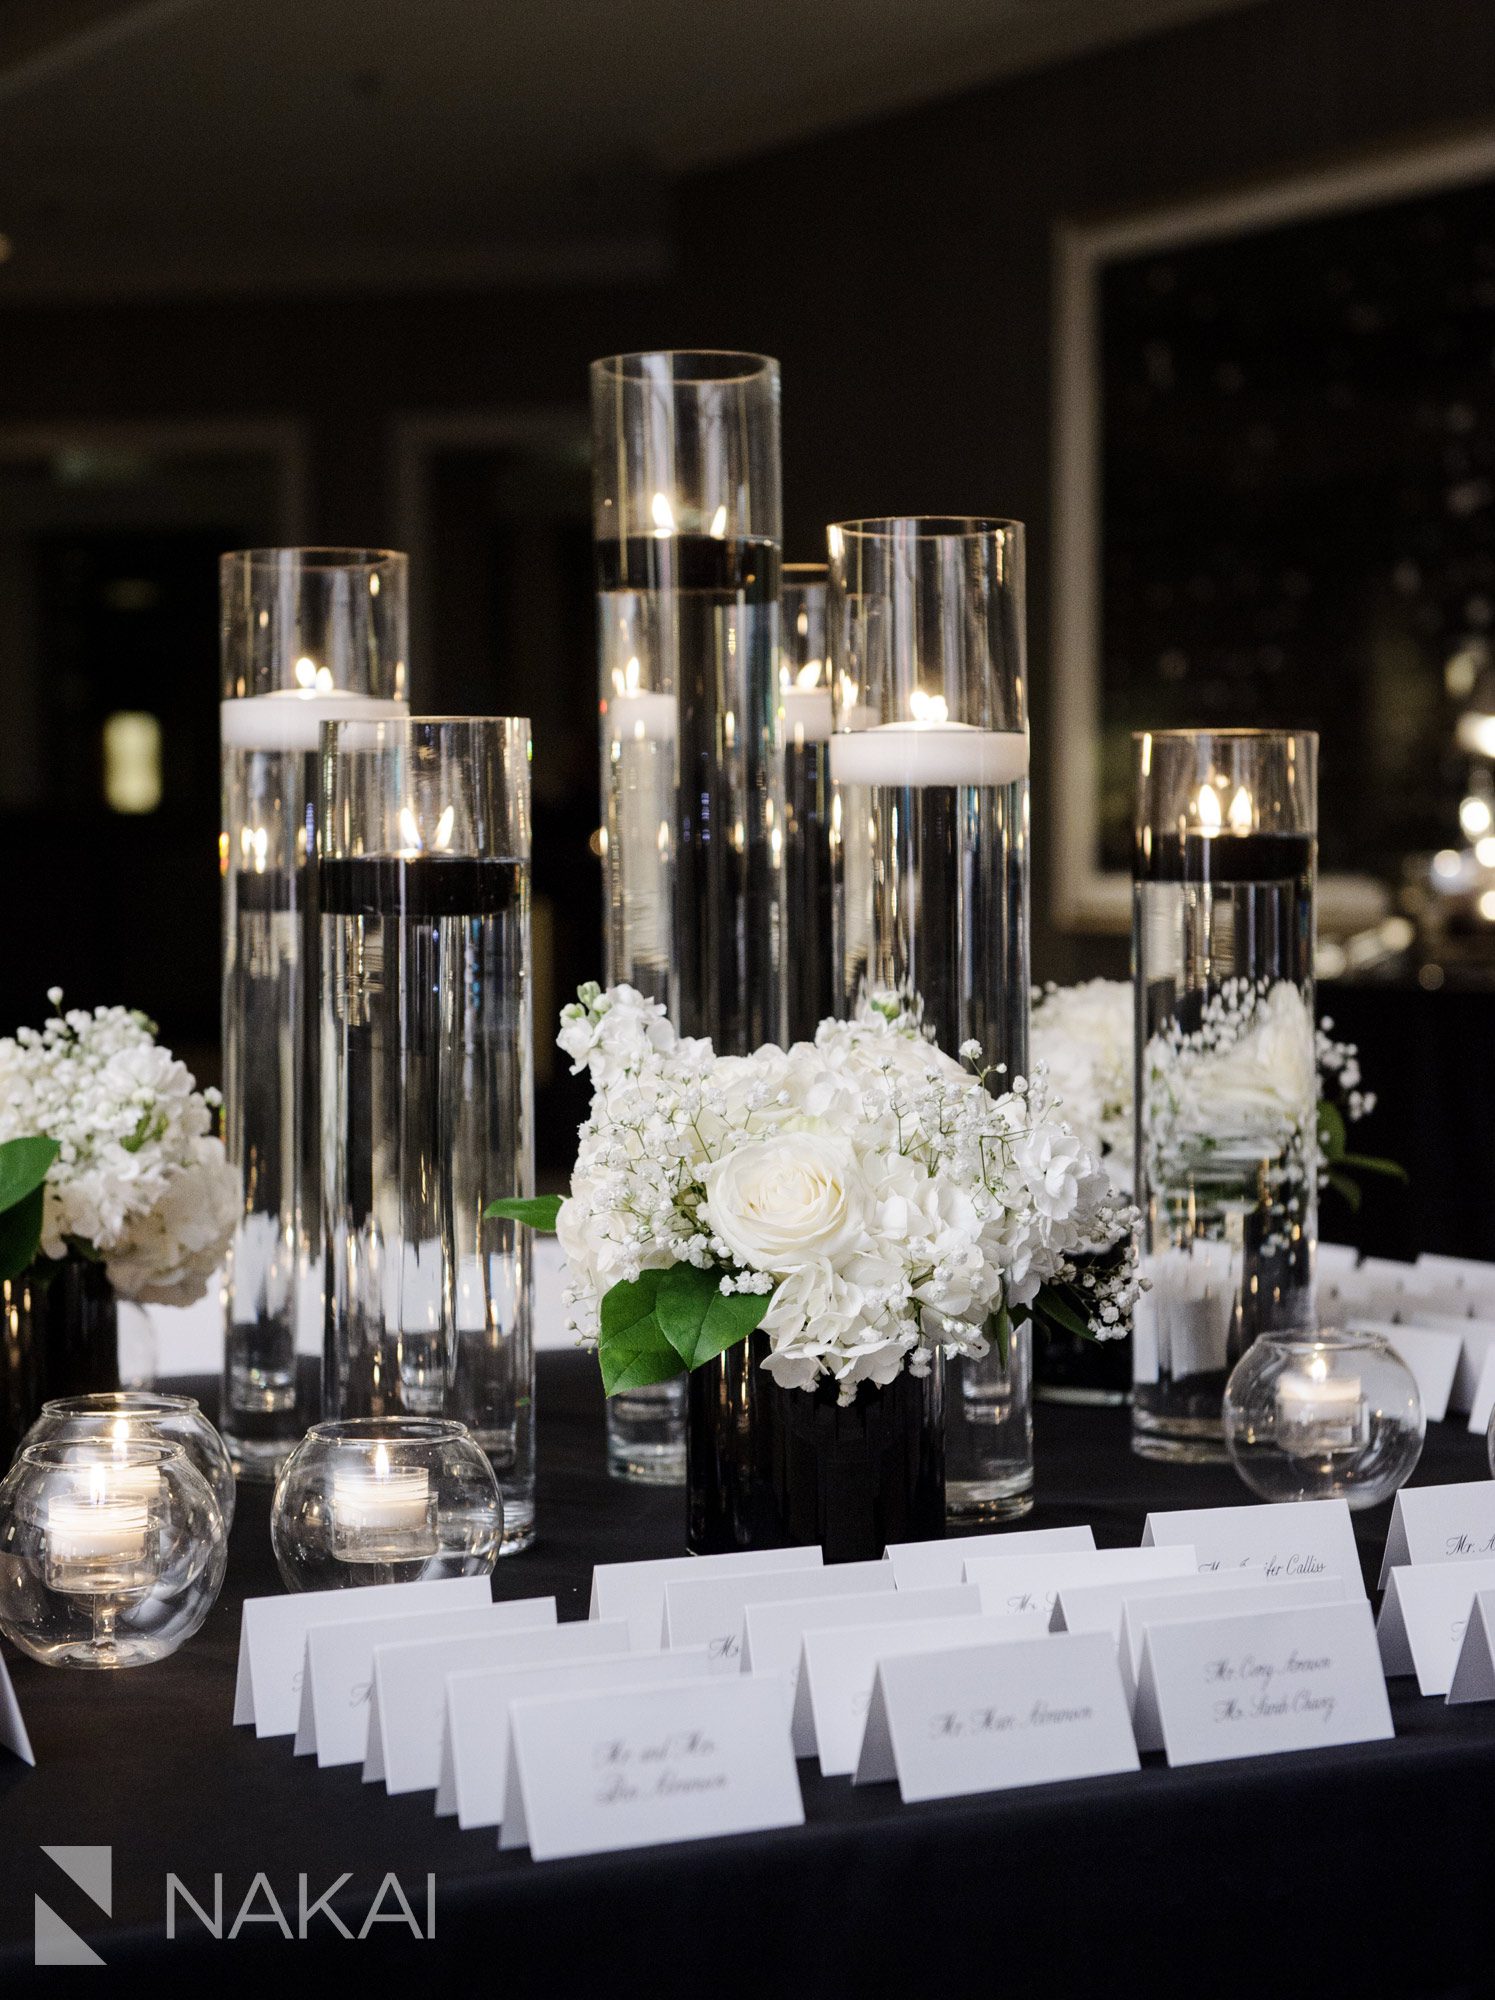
<point x="1347" y="1190"/>
<point x="631" y="1348"/>
<point x="1365" y="1163"/>
<point x="1053" y="1304"/>
<point x="21" y="1233"/>
<point x="697" y="1321"/>
<point x="538" y="1211"/>
<point x="24" y="1165"/>
<point x="1331" y="1130"/>
<point x="999" y="1333"/>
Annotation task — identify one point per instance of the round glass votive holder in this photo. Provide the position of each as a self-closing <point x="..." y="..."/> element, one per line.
<point x="111" y="1553"/>
<point x="1323" y="1416"/>
<point x="385" y="1500"/>
<point x="118" y="1417"/>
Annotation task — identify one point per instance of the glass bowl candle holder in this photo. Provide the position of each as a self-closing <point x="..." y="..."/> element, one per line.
<point x="121" y="1417"/>
<point x="385" y="1500"/>
<point x="1323" y="1416"/>
<point x="111" y="1552"/>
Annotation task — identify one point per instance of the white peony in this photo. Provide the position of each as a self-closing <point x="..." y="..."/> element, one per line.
<point x="778" y="1204"/>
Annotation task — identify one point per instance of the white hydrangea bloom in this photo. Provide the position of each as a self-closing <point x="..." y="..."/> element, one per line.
<point x="885" y="1197"/>
<point x="139" y="1179"/>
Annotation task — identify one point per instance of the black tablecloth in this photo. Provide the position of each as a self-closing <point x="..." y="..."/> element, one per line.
<point x="1367" y="1869"/>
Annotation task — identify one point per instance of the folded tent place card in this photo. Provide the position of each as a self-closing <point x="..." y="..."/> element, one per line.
<point x="1474" y="1670"/>
<point x="1100" y="1607"/>
<point x="1433" y="1358"/>
<point x="475" y="1732"/>
<point x="1255" y="1684"/>
<point x="600" y="1772"/>
<point x="1476" y="1338"/>
<point x="272" y="1637"/>
<point x="1435" y="1524"/>
<point x="1027" y="1585"/>
<point x="773" y="1634"/>
<point x="925" y="1565"/>
<point x="987" y="1718"/>
<point x="1290" y="1538"/>
<point x="838" y="1666"/>
<point x="338" y="1667"/>
<point x="635" y="1590"/>
<point x="409" y="1682"/>
<point x="1423" y="1616"/>
<point x="708" y="1611"/>
<point x="1231" y="1597"/>
<point x="1482" y="1403"/>
<point x="13" y="1736"/>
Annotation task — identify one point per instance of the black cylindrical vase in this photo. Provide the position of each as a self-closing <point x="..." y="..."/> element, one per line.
<point x="59" y="1336"/>
<point x="774" y="1468"/>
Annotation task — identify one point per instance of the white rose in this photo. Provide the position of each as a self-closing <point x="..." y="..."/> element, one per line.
<point x="1265" y="1088"/>
<point x="781" y="1203"/>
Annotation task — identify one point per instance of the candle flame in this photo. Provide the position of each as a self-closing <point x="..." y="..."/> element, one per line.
<point x="664" y="515"/>
<point x="1208" y="808"/>
<point x="1240" y="814"/>
<point x="719" y="522"/>
<point x="409" y="828"/>
<point x="808" y="675"/>
<point x="444" y="827"/>
<point x="381" y="1461"/>
<point x="306" y="672"/>
<point x="928" y="707"/>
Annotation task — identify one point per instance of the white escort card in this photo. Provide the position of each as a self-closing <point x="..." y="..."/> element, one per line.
<point x="1291" y="1538"/>
<point x="1433" y="1358"/>
<point x="272" y="1638"/>
<point x="1476" y="1337"/>
<point x="1230" y="1597"/>
<point x="772" y="1633"/>
<point x="987" y="1718"/>
<point x="1263" y="1682"/>
<point x="409" y="1698"/>
<point x="13" y="1734"/>
<point x="708" y="1611"/>
<point x="1028" y="1585"/>
<point x="475" y="1732"/>
<point x="1482" y="1403"/>
<point x="1474" y="1670"/>
<point x="1098" y="1607"/>
<point x="1435" y="1524"/>
<point x="1423" y="1616"/>
<point x="924" y="1565"/>
<point x="838" y="1668"/>
<point x="635" y="1590"/>
<point x="338" y="1668"/>
<point x="596" y="1773"/>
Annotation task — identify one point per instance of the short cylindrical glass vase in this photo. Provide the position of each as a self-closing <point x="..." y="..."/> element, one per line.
<point x="122" y="1417"/>
<point x="385" y="1500"/>
<point x="307" y="634"/>
<point x="110" y="1555"/>
<point x="930" y="763"/>
<point x="1226" y="1100"/>
<point x="1323" y="1416"/>
<point x="427" y="1082"/>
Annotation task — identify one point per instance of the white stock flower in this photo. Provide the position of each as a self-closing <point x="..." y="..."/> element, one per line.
<point x="778" y="1204"/>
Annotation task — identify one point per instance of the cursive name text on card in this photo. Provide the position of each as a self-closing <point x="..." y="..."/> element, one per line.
<point x="667" y="1768"/>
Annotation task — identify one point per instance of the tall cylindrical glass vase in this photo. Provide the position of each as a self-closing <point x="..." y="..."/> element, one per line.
<point x="1227" y="1084"/>
<point x="811" y="846"/>
<point x="686" y="519"/>
<point x="930" y="762"/>
<point x="306" y="634"/>
<point x="427" y="1083"/>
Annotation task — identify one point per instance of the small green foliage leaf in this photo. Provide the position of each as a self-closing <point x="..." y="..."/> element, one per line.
<point x="631" y="1347"/>
<point x="698" y="1322"/>
<point x="1347" y="1189"/>
<point x="1056" y="1305"/>
<point x="20" y="1233"/>
<point x="24" y="1165"/>
<point x="1368" y="1163"/>
<point x="999" y="1333"/>
<point x="538" y="1211"/>
<point x="1331" y="1131"/>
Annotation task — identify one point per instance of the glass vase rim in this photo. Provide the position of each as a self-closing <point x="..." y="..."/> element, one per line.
<point x="1231" y="733"/>
<point x="925" y="527"/>
<point x="751" y="367"/>
<point x="120" y="1402"/>
<point x="501" y="722"/>
<point x="806" y="570"/>
<point x="60" y="1454"/>
<point x="367" y="1431"/>
<point x="1327" y="1339"/>
<point x="323" y="556"/>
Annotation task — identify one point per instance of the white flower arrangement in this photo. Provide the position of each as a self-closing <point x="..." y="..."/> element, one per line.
<point x="1257" y="1075"/>
<point x="138" y="1180"/>
<point x="865" y="1199"/>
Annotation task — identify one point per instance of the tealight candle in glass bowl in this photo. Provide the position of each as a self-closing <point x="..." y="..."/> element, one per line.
<point x="121" y="1417"/>
<point x="1322" y="1416"/>
<point x="385" y="1500"/>
<point x="111" y="1552"/>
